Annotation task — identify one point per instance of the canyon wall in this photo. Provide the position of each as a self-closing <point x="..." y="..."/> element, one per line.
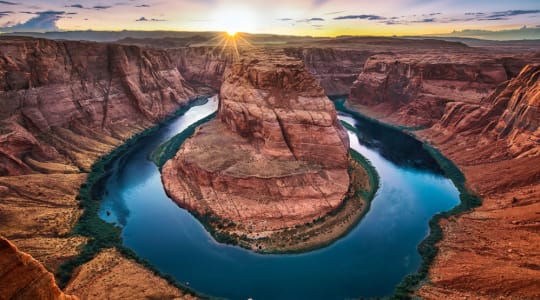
<point x="414" y="89"/>
<point x="275" y="157"/>
<point x="493" y="250"/>
<point x="488" y="125"/>
<point x="334" y="69"/>
<point x="64" y="105"/>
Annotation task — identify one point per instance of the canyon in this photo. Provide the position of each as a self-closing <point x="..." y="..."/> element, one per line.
<point x="486" y="121"/>
<point x="67" y="103"/>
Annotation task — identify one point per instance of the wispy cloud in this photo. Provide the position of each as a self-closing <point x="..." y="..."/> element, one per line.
<point x="100" y="7"/>
<point x="335" y="12"/>
<point x="8" y="3"/>
<point x="5" y="13"/>
<point x="510" y="13"/>
<point x="142" y="5"/>
<point x="361" y="17"/>
<point x="310" y="20"/>
<point x="75" y="6"/>
<point x="143" y="19"/>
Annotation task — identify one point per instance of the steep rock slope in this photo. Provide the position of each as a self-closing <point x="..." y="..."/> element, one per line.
<point x="78" y="86"/>
<point x="275" y="157"/>
<point x="334" y="69"/>
<point x="22" y="277"/>
<point x="493" y="251"/>
<point x="415" y="89"/>
<point x="63" y="105"/>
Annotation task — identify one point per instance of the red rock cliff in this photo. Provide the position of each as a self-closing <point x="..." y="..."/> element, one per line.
<point x="275" y="157"/>
<point x="496" y="143"/>
<point x="414" y="89"/>
<point x="102" y="87"/>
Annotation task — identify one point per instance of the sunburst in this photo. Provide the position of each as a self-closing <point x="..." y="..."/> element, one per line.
<point x="232" y="43"/>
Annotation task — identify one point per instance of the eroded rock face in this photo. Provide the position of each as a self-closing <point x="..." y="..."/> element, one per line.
<point x="102" y="88"/>
<point x="334" y="69"/>
<point x="496" y="144"/>
<point x="415" y="89"/>
<point x="275" y="157"/>
<point x="62" y="106"/>
<point x="23" y="277"/>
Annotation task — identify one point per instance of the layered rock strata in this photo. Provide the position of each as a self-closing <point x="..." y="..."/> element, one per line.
<point x="275" y="157"/>
<point x="64" y="105"/>
<point x="491" y="252"/>
<point x="415" y="89"/>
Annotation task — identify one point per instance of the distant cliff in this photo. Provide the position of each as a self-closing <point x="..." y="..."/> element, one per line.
<point x="335" y="69"/>
<point x="415" y="89"/>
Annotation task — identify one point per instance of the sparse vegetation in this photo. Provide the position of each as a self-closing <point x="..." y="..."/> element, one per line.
<point x="104" y="235"/>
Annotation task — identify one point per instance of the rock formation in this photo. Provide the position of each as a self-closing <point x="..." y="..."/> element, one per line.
<point x="22" y="277"/>
<point x="64" y="105"/>
<point x="275" y="157"/>
<point x="496" y="144"/>
<point x="414" y="89"/>
<point x="335" y="69"/>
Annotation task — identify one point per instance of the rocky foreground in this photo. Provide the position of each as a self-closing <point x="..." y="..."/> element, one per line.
<point x="275" y="157"/>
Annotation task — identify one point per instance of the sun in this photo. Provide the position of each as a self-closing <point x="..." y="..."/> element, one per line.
<point x="233" y="20"/>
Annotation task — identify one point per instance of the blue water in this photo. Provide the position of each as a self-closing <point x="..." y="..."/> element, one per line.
<point x="368" y="262"/>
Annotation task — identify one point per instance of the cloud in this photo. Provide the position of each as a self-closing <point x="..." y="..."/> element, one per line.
<point x="318" y="2"/>
<point x="427" y="20"/>
<point x="509" y="13"/>
<point x="8" y="3"/>
<point x="143" y="19"/>
<point x="5" y="13"/>
<point x="474" y="13"/>
<point x="285" y="19"/>
<point x="142" y="5"/>
<point x="335" y="12"/>
<point x="75" y="6"/>
<point x="361" y="17"/>
<point x="99" y="7"/>
<point x="44" y="21"/>
<point x="310" y="20"/>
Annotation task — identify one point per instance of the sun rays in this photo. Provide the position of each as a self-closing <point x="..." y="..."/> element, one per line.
<point x="232" y="43"/>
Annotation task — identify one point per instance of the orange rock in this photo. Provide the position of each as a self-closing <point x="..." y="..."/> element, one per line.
<point x="23" y="277"/>
<point x="275" y="157"/>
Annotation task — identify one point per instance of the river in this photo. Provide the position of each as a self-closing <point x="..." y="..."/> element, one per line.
<point x="368" y="262"/>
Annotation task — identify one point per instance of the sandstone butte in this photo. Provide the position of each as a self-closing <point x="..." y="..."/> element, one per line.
<point x="275" y="157"/>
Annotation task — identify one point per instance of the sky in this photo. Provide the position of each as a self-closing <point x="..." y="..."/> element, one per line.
<point x="295" y="17"/>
